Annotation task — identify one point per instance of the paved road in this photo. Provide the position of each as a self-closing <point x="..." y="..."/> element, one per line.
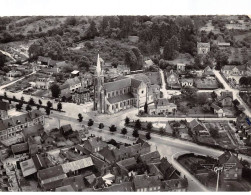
<point x="235" y="92"/>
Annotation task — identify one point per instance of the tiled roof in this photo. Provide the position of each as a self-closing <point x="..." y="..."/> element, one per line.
<point x="194" y="123"/>
<point x="143" y="181"/>
<point x="231" y="67"/>
<point x="135" y="83"/>
<point x="116" y="85"/>
<point x="107" y="154"/>
<point x="229" y="157"/>
<point x="199" y="44"/>
<point x="151" y="157"/>
<point x="15" y="120"/>
<point x="186" y="80"/>
<point x="51" y="174"/>
<point x="77" y="182"/>
<point x="99" y="163"/>
<point x="66" y="128"/>
<point x="96" y="142"/>
<point x="149" y="62"/>
<point x="120" y="98"/>
<point x="39" y="161"/>
<point x="77" y="165"/>
<point x="44" y="59"/>
<point x="162" y="102"/>
<point x="216" y="107"/>
<point x="122" y="187"/>
<point x="128" y="162"/>
<point x="20" y="148"/>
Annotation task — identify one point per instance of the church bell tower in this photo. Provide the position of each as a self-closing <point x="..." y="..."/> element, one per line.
<point x="99" y="93"/>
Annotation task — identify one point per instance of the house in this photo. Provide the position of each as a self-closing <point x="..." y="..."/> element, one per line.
<point x="172" y="80"/>
<point x="94" y="144"/>
<point x="43" y="83"/>
<point x="186" y="82"/>
<point x="127" y="152"/>
<point x="148" y="63"/>
<point x="128" y="163"/>
<point x="12" y="126"/>
<point x="151" y="157"/>
<point x="14" y="73"/>
<point x="107" y="155"/>
<point x="181" y="67"/>
<point x="100" y="164"/>
<point x="119" y="187"/>
<point x="43" y="60"/>
<point x="77" y="166"/>
<point x="175" y="185"/>
<point x="144" y="183"/>
<point x="67" y="188"/>
<point x="198" y="128"/>
<point x="145" y="146"/>
<point x="66" y="130"/>
<point x="20" y="148"/>
<point x="81" y="150"/>
<point x="32" y="131"/>
<point x="218" y="110"/>
<point x="123" y="69"/>
<point x="39" y="161"/>
<point x="4" y="108"/>
<point x="76" y="182"/>
<point x="233" y="73"/>
<point x="162" y="106"/>
<point x="73" y="84"/>
<point x="226" y="98"/>
<point x="203" y="48"/>
<point x="208" y="71"/>
<point x="232" y="166"/>
<point x="81" y="96"/>
<point x="86" y="79"/>
<point x="28" y="167"/>
<point x="51" y="178"/>
<point x="46" y="139"/>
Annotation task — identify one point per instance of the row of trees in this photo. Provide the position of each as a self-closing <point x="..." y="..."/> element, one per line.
<point x="245" y="81"/>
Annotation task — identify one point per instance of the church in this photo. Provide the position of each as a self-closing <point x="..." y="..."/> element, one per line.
<point x="119" y="95"/>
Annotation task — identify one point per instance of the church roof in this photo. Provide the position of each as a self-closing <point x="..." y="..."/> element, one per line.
<point x="117" y="85"/>
<point x="120" y="98"/>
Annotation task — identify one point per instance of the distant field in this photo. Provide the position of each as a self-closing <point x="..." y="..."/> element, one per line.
<point x="240" y="37"/>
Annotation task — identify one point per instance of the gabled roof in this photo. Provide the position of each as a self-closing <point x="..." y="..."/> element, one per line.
<point x="135" y="83"/>
<point x="194" y="123"/>
<point x="116" y="85"/>
<point x="127" y="162"/>
<point x="99" y="163"/>
<point x="162" y="102"/>
<point x="228" y="158"/>
<point x="121" y="187"/>
<point x="20" y="148"/>
<point x="216" y="107"/>
<point x="151" y="157"/>
<point x="120" y="98"/>
<point x="96" y="142"/>
<point x="231" y="67"/>
<point x="77" y="182"/>
<point x="186" y="80"/>
<point x="39" y="161"/>
<point x="107" y="154"/>
<point x="143" y="181"/>
<point x="66" y="128"/>
<point x="51" y="174"/>
<point x="149" y="62"/>
<point x="77" y="165"/>
<point x="200" y="44"/>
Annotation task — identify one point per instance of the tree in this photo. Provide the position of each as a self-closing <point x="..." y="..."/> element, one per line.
<point x="124" y="131"/>
<point x="80" y="117"/>
<point x="214" y="132"/>
<point x="2" y="60"/>
<point x="135" y="133"/>
<point x="131" y="60"/>
<point x="127" y="121"/>
<point x="19" y="106"/>
<point x="113" y="128"/>
<point x="22" y="99"/>
<point x="55" y="90"/>
<point x="162" y="131"/>
<point x="149" y="126"/>
<point x="72" y="21"/>
<point x="28" y="108"/>
<point x="92" y="31"/>
<point x="146" y="107"/>
<point x="49" y="104"/>
<point x="48" y="111"/>
<point x="31" y="102"/>
<point x="5" y="95"/>
<point x="85" y="63"/>
<point x="202" y="98"/>
<point x="101" y="126"/>
<point x="54" y="50"/>
<point x="14" y="97"/>
<point x="38" y="107"/>
<point x="90" y="122"/>
<point x="137" y="124"/>
<point x="148" y="135"/>
<point x="40" y="102"/>
<point x="59" y="106"/>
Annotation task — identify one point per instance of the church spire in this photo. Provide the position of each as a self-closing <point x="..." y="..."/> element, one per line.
<point x="98" y="69"/>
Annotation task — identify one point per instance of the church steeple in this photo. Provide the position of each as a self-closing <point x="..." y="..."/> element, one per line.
<point x="98" y="69"/>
